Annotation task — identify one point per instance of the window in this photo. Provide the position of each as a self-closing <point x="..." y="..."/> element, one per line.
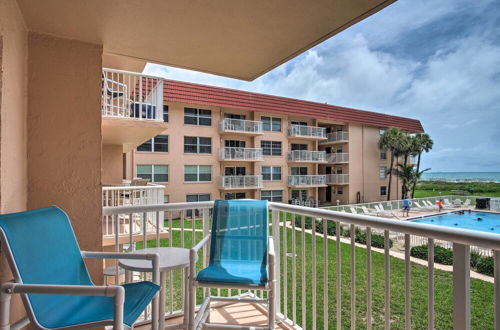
<point x="234" y="143"/>
<point x="165" y="113"/>
<point x="199" y="117"/>
<point x="272" y="195"/>
<point x="340" y="149"/>
<point x="338" y="170"/>
<point x="197" y="173"/>
<point x="166" y="199"/>
<point x="297" y="146"/>
<point x="155" y="173"/>
<point x="271" y="173"/>
<point x="383" y="190"/>
<point x="340" y="190"/>
<point x="197" y="145"/>
<point x="234" y="170"/>
<point x="197" y="198"/>
<point x="299" y="194"/>
<point x="299" y="170"/>
<point x="156" y="144"/>
<point x="302" y="123"/>
<point x="234" y="195"/>
<point x="383" y="172"/>
<point x="234" y="116"/>
<point x="271" y="124"/>
<point x="271" y="148"/>
<point x="383" y="155"/>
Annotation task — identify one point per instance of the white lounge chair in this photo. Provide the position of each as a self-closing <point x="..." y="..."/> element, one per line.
<point x="467" y="203"/>
<point x="419" y="208"/>
<point x="430" y="205"/>
<point x="353" y="210"/>
<point x="383" y="212"/>
<point x="369" y="211"/>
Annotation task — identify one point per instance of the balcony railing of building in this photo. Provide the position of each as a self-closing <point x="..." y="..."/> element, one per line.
<point x="337" y="178"/>
<point x="230" y="125"/>
<point x="339" y="136"/>
<point x="241" y="154"/>
<point x="129" y="195"/>
<point x="307" y="180"/>
<point x="307" y="131"/>
<point x="241" y="182"/>
<point x="131" y="95"/>
<point x="337" y="157"/>
<point x="306" y="156"/>
<point x="326" y="280"/>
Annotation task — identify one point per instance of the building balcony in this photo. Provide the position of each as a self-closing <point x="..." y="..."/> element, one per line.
<point x="308" y="254"/>
<point x="236" y="182"/>
<point x="307" y="132"/>
<point x="140" y="194"/>
<point x="306" y="156"/>
<point x="337" y="158"/>
<point x="131" y="107"/>
<point x="307" y="180"/>
<point x="241" y="154"/>
<point x="337" y="179"/>
<point x="336" y="137"/>
<point x="240" y="126"/>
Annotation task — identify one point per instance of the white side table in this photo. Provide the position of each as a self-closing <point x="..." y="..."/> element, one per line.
<point x="170" y="258"/>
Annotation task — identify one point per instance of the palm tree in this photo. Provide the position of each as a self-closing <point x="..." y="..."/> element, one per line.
<point x="409" y="176"/>
<point x="391" y="141"/>
<point x="422" y="142"/>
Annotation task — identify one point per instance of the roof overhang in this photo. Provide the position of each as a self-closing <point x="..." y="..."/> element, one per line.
<point x="239" y="39"/>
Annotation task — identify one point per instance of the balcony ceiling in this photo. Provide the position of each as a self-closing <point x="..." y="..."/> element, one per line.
<point x="239" y="39"/>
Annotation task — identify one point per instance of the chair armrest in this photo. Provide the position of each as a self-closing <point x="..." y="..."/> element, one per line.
<point x="154" y="257"/>
<point x="270" y="244"/>
<point x="201" y="243"/>
<point x="116" y="291"/>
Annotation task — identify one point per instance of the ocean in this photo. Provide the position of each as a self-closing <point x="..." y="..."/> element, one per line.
<point x="462" y="176"/>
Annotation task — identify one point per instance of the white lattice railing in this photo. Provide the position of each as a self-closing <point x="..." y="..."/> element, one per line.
<point x="337" y="157"/>
<point x="337" y="178"/>
<point x="339" y="136"/>
<point x="241" y="182"/>
<point x="307" y="156"/>
<point x="307" y="131"/>
<point x="306" y="180"/>
<point x="240" y="126"/>
<point x="241" y="154"/>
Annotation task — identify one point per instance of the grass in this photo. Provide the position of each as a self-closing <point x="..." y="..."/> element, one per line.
<point x="481" y="292"/>
<point x="437" y="188"/>
<point x="431" y="193"/>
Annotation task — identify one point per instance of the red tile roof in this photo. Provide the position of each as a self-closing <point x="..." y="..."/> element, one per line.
<point x="177" y="91"/>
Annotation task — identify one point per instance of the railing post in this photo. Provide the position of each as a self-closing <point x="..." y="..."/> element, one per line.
<point x="276" y="240"/>
<point x="159" y="100"/>
<point x="461" y="286"/>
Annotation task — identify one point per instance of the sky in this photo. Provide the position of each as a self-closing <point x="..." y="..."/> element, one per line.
<point x="434" y="60"/>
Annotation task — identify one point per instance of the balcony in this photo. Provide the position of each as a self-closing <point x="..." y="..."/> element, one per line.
<point x="337" y="158"/>
<point x="131" y="195"/>
<point x="131" y="107"/>
<point x="241" y="154"/>
<point x="307" y="132"/>
<point x="307" y="180"/>
<point x="314" y="256"/>
<point x="240" y="126"/>
<point x="337" y="179"/>
<point x="336" y="137"/>
<point x="306" y="156"/>
<point x="235" y="182"/>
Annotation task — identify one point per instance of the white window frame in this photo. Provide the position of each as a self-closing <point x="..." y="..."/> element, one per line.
<point x="198" y="145"/>
<point x="272" y="121"/>
<point x="382" y="175"/>
<point x="271" y="148"/>
<point x="198" y="173"/>
<point x="278" y="192"/>
<point x="153" y="144"/>
<point x="152" y="172"/>
<point x="197" y="115"/>
<point x="271" y="173"/>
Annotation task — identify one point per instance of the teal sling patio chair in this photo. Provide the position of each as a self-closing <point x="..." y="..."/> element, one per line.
<point x="241" y="257"/>
<point x="53" y="281"/>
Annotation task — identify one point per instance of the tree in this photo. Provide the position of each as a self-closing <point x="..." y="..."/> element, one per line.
<point x="392" y="141"/>
<point x="409" y="175"/>
<point x="422" y="142"/>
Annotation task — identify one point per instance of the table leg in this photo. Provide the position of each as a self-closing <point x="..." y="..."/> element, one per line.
<point x="163" y="281"/>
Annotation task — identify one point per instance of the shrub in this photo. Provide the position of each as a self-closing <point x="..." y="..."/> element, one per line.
<point x="377" y="240"/>
<point x="475" y="258"/>
<point x="485" y="266"/>
<point x="442" y="255"/>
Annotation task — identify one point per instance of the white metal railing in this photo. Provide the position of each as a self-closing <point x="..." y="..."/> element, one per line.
<point x="306" y="180"/>
<point x="337" y="157"/>
<point x="243" y="154"/>
<point x="131" y="95"/>
<point x="307" y="156"/>
<point x="127" y="195"/>
<point x="307" y="131"/>
<point x="337" y="178"/>
<point x="318" y="248"/>
<point x="337" y="136"/>
<point x="241" y="181"/>
<point x="240" y="126"/>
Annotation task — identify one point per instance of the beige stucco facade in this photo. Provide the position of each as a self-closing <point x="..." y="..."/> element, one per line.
<point x="363" y="166"/>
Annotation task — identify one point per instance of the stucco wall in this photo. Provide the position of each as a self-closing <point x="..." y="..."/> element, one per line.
<point x="13" y="82"/>
<point x="64" y="133"/>
<point x="112" y="164"/>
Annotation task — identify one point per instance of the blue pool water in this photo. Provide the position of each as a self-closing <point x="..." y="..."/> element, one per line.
<point x="489" y="222"/>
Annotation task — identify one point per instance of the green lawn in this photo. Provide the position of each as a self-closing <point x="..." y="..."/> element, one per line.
<point x="481" y="292"/>
<point x="432" y="193"/>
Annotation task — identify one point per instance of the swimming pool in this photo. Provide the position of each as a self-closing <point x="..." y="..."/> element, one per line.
<point x="481" y="221"/>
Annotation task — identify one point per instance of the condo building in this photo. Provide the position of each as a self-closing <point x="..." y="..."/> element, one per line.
<point x="218" y="143"/>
